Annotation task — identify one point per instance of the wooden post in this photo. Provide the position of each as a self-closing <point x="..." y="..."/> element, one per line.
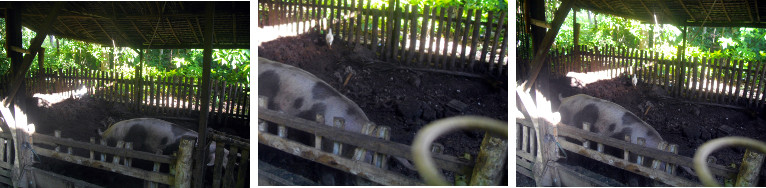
<point x="18" y="78"/>
<point x="205" y="93"/>
<point x="544" y="46"/>
<point x="492" y="156"/>
<point x="184" y="163"/>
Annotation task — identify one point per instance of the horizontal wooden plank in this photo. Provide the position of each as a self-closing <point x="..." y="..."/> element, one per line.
<point x="107" y="165"/>
<point x="103" y="149"/>
<point x="361" y="169"/>
<point x="640" y="150"/>
<point x="446" y="162"/>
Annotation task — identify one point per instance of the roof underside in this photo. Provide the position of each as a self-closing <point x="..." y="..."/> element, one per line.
<point x="143" y="24"/>
<point x="708" y="13"/>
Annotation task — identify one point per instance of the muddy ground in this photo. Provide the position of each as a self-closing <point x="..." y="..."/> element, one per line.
<point x="79" y="120"/>
<point x="678" y="121"/>
<point x="404" y="100"/>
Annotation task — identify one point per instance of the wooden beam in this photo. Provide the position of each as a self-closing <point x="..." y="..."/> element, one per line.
<point x="545" y="46"/>
<point x="234" y="25"/>
<point x="19" y="49"/>
<point x="667" y="12"/>
<point x="172" y="30"/>
<point x="102" y="29"/>
<point x="207" y="59"/>
<point x="757" y="13"/>
<point x="139" y="31"/>
<point x="540" y="23"/>
<point x="687" y="11"/>
<point x="723" y="4"/>
<point x="192" y="30"/>
<point x="65" y="26"/>
<point x="749" y="12"/>
<point x="706" y="12"/>
<point x="193" y="46"/>
<point x="84" y="29"/>
<point x="18" y="77"/>
<point x="725" y="24"/>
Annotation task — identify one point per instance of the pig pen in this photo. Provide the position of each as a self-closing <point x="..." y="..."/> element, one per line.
<point x="679" y="122"/>
<point x="79" y="119"/>
<point x="405" y="100"/>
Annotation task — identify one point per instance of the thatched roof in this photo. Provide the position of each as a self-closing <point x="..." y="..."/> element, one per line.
<point x="708" y="13"/>
<point x="142" y="24"/>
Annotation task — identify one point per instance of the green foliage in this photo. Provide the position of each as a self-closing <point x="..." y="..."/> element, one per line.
<point x="232" y="65"/>
<point x="601" y="30"/>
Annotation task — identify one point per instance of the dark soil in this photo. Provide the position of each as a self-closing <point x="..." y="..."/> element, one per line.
<point x="678" y="121"/>
<point x="404" y="100"/>
<point x="79" y="120"/>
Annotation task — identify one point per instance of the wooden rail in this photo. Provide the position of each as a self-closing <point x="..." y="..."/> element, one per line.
<point x="122" y="158"/>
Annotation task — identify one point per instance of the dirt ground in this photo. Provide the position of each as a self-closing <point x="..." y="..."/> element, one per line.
<point x="404" y="100"/>
<point x="79" y="120"/>
<point x="678" y="121"/>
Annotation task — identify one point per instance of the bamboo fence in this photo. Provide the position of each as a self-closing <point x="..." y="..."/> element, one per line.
<point x="160" y="96"/>
<point x="407" y="35"/>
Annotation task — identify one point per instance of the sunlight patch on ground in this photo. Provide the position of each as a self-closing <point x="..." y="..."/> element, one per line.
<point x="47" y="100"/>
<point x="580" y="80"/>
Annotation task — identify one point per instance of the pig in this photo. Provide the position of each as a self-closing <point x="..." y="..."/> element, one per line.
<point x="606" y="119"/>
<point x="154" y="135"/>
<point x="301" y="94"/>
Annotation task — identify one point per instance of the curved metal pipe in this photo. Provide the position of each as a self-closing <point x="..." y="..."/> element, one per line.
<point x="700" y="166"/>
<point x="422" y="143"/>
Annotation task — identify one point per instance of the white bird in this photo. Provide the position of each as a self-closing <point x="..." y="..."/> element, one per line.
<point x="329" y="38"/>
<point x="635" y="80"/>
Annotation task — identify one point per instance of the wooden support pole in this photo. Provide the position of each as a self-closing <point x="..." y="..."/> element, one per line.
<point x="18" y="77"/>
<point x="545" y="45"/>
<point x="205" y="99"/>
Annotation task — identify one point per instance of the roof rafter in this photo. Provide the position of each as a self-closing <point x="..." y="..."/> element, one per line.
<point x="749" y="12"/>
<point x="139" y="31"/>
<point x="102" y="29"/>
<point x="687" y="11"/>
<point x="173" y="31"/>
<point x="85" y="29"/>
<point x="757" y="14"/>
<point x="725" y="12"/>
<point x="192" y="31"/>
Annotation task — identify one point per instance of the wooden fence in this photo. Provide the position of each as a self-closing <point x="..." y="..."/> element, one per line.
<point x="171" y="96"/>
<point x="718" y="81"/>
<point x="434" y="37"/>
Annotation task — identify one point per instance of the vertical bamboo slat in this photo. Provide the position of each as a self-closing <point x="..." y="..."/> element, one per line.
<point x="404" y="18"/>
<point x="415" y="14"/>
<point x="467" y="27"/>
<point x="759" y="92"/>
<point x="457" y="38"/>
<point x="749" y="83"/>
<point x="738" y="78"/>
<point x="433" y="36"/>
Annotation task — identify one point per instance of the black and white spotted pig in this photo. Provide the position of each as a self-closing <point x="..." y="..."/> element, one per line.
<point x="606" y="119"/>
<point x="153" y="135"/>
<point x="610" y="120"/>
<point x="301" y="94"/>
